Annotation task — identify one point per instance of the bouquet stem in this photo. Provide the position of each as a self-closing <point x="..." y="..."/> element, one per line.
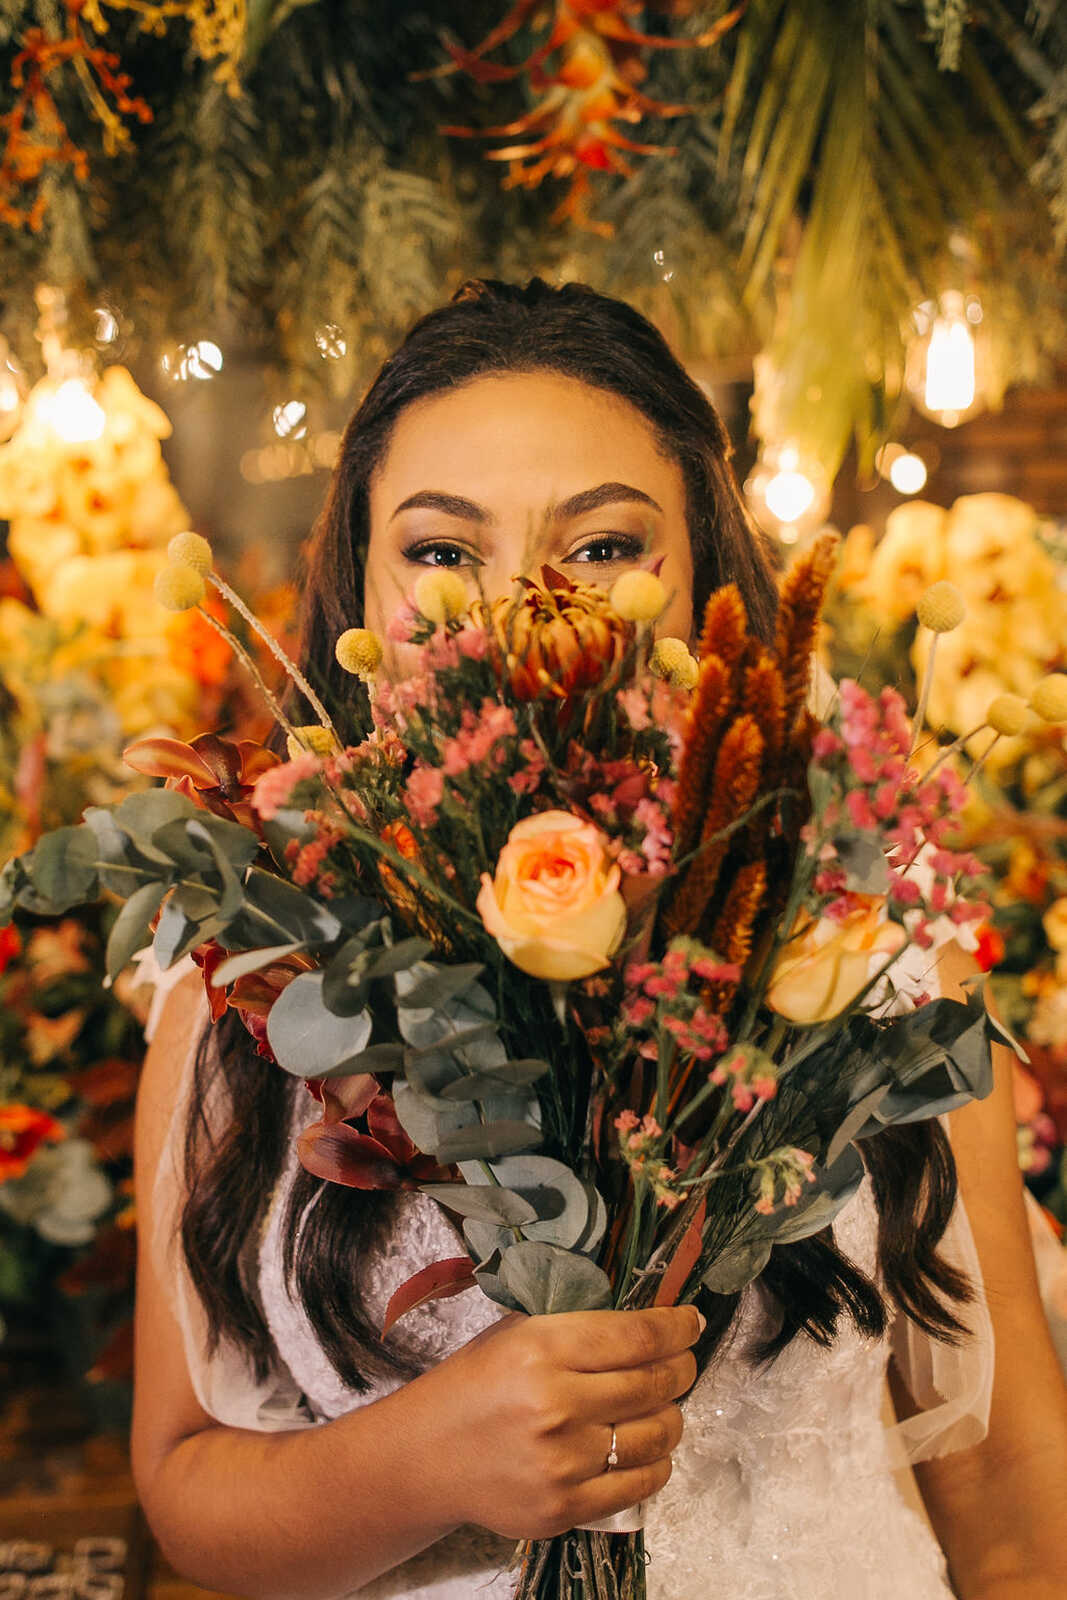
<point x="583" y="1565"/>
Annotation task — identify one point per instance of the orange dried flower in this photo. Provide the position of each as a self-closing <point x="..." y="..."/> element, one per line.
<point x="557" y="638"/>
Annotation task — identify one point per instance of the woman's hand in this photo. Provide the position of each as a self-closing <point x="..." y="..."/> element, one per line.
<point x="525" y="1412"/>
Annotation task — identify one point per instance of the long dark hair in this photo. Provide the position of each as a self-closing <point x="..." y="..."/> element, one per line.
<point x="491" y="328"/>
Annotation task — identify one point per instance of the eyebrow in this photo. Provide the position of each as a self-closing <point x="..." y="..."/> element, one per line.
<point x="455" y="505"/>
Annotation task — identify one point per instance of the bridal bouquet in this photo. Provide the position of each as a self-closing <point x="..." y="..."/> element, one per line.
<point x="590" y="939"/>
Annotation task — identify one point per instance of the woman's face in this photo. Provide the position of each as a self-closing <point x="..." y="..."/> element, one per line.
<point x="506" y="473"/>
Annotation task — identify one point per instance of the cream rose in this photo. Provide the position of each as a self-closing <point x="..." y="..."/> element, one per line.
<point x="824" y="967"/>
<point x="554" y="905"/>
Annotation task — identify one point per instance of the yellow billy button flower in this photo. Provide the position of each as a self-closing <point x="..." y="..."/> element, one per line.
<point x="178" y="587"/>
<point x="311" y="737"/>
<point x="190" y="550"/>
<point x="941" y="608"/>
<point x="672" y="659"/>
<point x="638" y="596"/>
<point x="1008" y="714"/>
<point x="1049" y="698"/>
<point x="441" y="596"/>
<point x="359" y="651"/>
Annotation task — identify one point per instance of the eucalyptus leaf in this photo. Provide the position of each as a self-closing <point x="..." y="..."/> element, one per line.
<point x="140" y="814"/>
<point x="426" y="1121"/>
<point x="558" y="1199"/>
<point x="384" y="1057"/>
<point x="545" y="1279"/>
<point x="240" y="966"/>
<point x="307" y="1039"/>
<point x="487" y="1203"/>
<point x="176" y="934"/>
<point x="275" y="911"/>
<point x="737" y="1266"/>
<point x="438" y="985"/>
<point x="130" y="929"/>
<point x="509" y="1075"/>
<point x="121" y="866"/>
<point x="487" y="1141"/>
<point x="492" y="1286"/>
<point x="62" y="868"/>
<point x="398" y="958"/>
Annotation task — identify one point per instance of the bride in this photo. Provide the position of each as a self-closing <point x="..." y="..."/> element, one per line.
<point x="280" y="1448"/>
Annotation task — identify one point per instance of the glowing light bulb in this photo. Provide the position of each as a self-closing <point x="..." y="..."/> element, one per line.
<point x="950" y="384"/>
<point x="907" y="473"/>
<point x="71" y="411"/>
<point x="789" y="493"/>
<point x="943" y="375"/>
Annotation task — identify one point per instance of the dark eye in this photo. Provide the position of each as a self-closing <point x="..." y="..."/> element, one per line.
<point x="440" y="553"/>
<point x="608" y="547"/>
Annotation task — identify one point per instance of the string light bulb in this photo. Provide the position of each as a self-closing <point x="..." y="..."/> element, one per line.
<point x="943" y="370"/>
<point x="788" y="492"/>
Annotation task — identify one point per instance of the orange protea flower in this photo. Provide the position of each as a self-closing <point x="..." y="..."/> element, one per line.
<point x="557" y="637"/>
<point x="214" y="773"/>
<point x="22" y="1130"/>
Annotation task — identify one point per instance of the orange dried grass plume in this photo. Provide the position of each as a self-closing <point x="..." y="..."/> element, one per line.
<point x="798" y="618"/>
<point x="735" y="785"/>
<point x="750" y="733"/>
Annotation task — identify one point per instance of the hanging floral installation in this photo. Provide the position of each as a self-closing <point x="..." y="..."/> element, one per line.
<point x="829" y="170"/>
<point x="36" y="136"/>
<point x="593" y="84"/>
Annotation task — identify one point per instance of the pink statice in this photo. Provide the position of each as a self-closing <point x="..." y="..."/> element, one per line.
<point x="669" y="998"/>
<point x="528" y="778"/>
<point x="423" y="794"/>
<point x="782" y="1176"/>
<point x="402" y="625"/>
<point x="873" y="792"/>
<point x="479" y="738"/>
<point x="273" y="789"/>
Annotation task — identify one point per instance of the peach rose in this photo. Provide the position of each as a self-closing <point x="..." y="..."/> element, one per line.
<point x="826" y="964"/>
<point x="554" y="906"/>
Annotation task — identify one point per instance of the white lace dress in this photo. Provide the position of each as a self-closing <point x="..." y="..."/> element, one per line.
<point x="783" y="1485"/>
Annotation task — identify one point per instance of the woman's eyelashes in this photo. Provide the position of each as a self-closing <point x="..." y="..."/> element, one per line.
<point x="606" y="548"/>
<point x="441" y="553"/>
<point x="602" y="550"/>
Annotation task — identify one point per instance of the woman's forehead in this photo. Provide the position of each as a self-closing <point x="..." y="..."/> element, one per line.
<point x="542" y="435"/>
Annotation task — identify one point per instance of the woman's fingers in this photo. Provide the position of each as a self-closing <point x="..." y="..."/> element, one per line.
<point x="638" y="1443"/>
<point x="605" y="1341"/>
<point x="615" y="1491"/>
<point x="614" y="1397"/>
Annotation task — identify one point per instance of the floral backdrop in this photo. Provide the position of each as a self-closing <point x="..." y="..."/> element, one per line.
<point x="88" y="661"/>
<point x="1011" y="568"/>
